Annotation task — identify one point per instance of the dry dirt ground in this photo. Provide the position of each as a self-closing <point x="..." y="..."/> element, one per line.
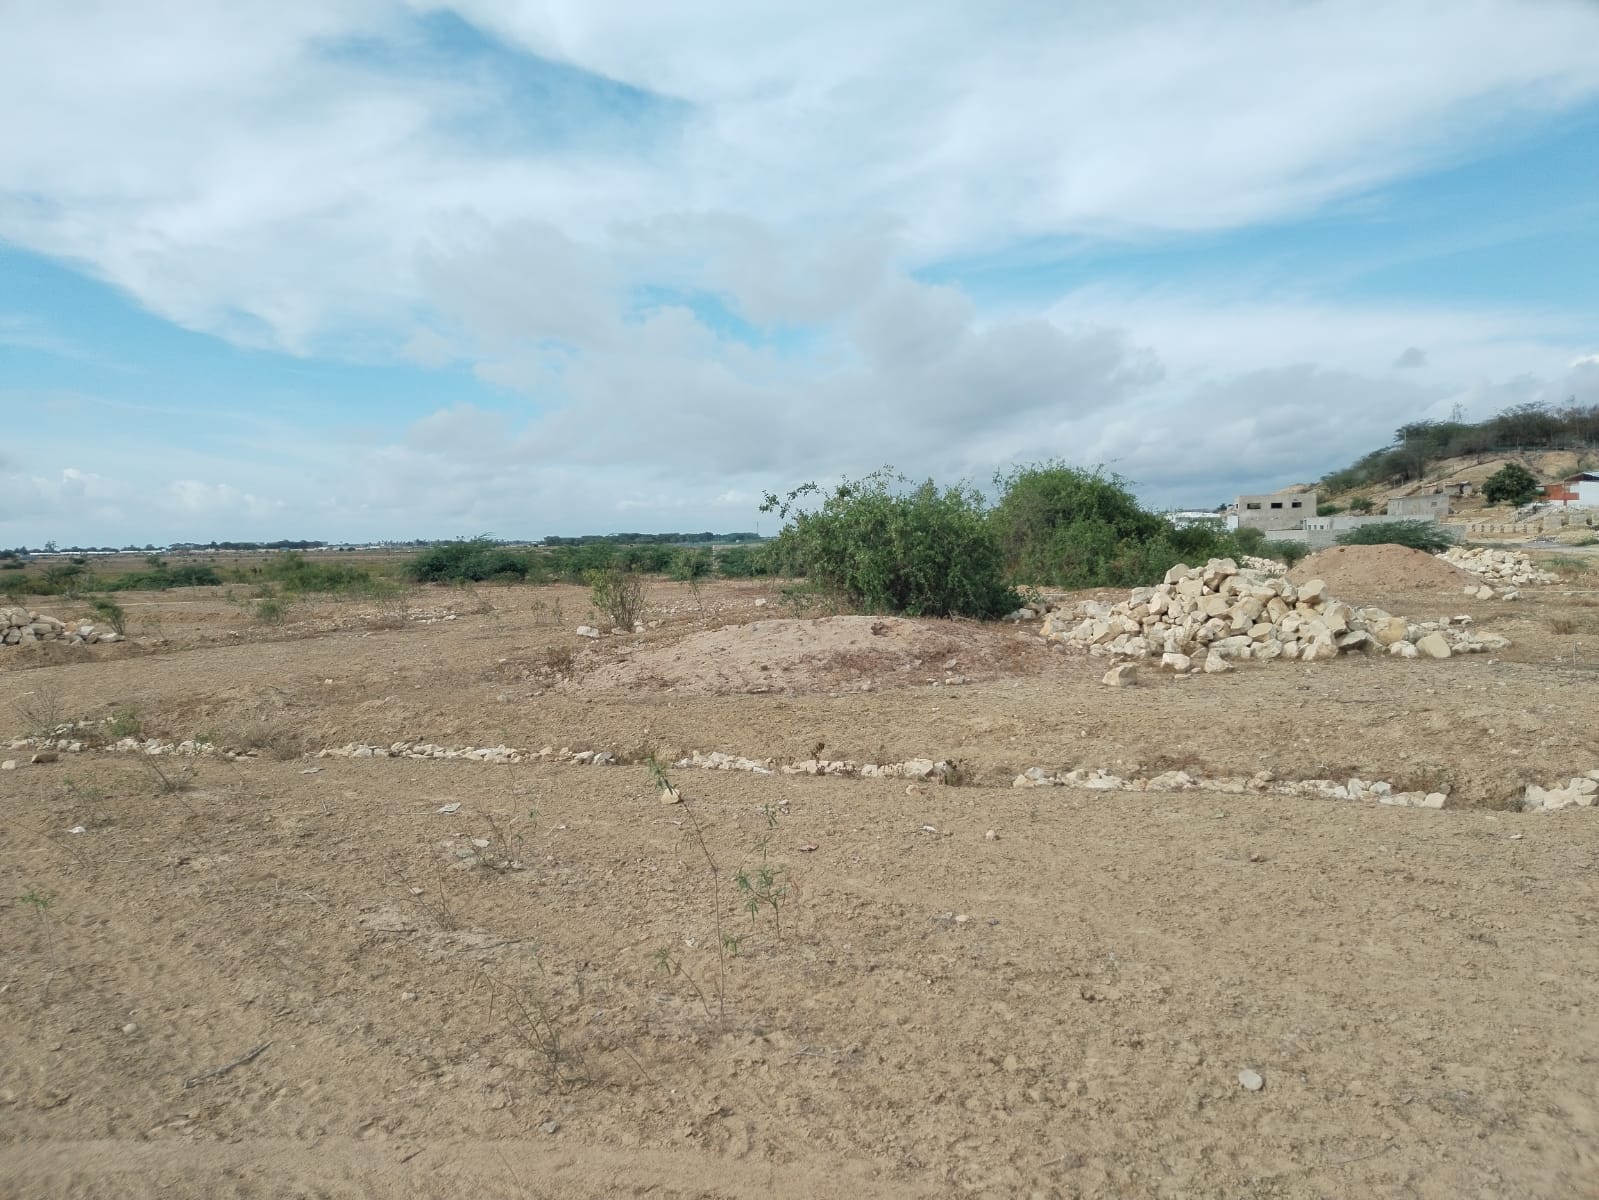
<point x="1062" y="1009"/>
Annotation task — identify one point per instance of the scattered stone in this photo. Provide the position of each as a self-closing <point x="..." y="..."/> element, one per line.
<point x="10" y="764"/>
<point x="45" y="756"/>
<point x="549" y="1126"/>
<point x="447" y="809"/>
<point x="587" y="631"/>
<point x="1250" y="1080"/>
<point x="1124" y="675"/>
<point x="130" y="1029"/>
<point x="991" y="836"/>
<point x="1433" y="645"/>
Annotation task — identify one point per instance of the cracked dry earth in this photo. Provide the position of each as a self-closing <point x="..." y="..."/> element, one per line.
<point x="1061" y="1009"/>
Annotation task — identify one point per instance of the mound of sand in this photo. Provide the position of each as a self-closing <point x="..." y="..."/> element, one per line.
<point x="787" y="655"/>
<point x="1355" y="572"/>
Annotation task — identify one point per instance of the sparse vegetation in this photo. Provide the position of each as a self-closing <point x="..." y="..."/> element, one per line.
<point x="272" y="610"/>
<point x="725" y="943"/>
<point x="533" y="1018"/>
<point x="170" y="777"/>
<point x="42" y="711"/>
<point x="112" y="613"/>
<point x="1522" y="427"/>
<point x="124" y="722"/>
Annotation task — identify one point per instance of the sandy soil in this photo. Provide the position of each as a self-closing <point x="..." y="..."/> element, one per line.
<point x="1352" y="572"/>
<point x="1060" y="1010"/>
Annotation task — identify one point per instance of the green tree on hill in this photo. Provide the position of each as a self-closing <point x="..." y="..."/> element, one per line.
<point x="1511" y="484"/>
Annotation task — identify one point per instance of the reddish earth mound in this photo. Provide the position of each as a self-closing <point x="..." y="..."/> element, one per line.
<point x="786" y="655"/>
<point x="1353" y="571"/>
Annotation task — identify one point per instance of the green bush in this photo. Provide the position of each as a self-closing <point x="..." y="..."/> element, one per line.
<point x="690" y="564"/>
<point x="1329" y="510"/>
<point x="619" y="595"/>
<point x="163" y="577"/>
<point x="1362" y="505"/>
<point x="883" y="548"/>
<point x="742" y="562"/>
<point x="1418" y="535"/>
<point x="1062" y="526"/>
<point x="1067" y="527"/>
<point x="1511" y="484"/>
<point x="1291" y="553"/>
<point x="298" y="575"/>
<point x="470" y="560"/>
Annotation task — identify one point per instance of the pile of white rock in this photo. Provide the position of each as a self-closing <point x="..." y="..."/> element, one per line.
<point x="1266" y="566"/>
<point x="1498" y="566"/>
<point x="1580" y="790"/>
<point x="19" y="627"/>
<point x="1202" y="618"/>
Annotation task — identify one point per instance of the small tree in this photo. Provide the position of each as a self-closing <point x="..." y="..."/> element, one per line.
<point x="1511" y="484"/>
<point x="1362" y="505"/>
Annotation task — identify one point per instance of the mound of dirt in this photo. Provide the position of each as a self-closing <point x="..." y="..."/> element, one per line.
<point x="788" y="655"/>
<point x="1354" y="572"/>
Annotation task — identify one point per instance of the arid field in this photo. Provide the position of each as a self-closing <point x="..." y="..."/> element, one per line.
<point x="389" y="971"/>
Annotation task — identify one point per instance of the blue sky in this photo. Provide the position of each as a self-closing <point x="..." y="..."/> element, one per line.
<point x="393" y="268"/>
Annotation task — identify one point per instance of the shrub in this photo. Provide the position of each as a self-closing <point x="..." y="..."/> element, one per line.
<point x="690" y="564"/>
<point x="161" y="577"/>
<point x="472" y="560"/>
<point x="113" y="613"/>
<point x="300" y="575"/>
<point x="882" y="548"/>
<point x="1290" y="553"/>
<point x="272" y="611"/>
<point x="742" y="562"/>
<point x="1329" y="510"/>
<point x="1362" y="505"/>
<point x="618" y="594"/>
<point x="1068" y="527"/>
<point x="1511" y="484"/>
<point x="1418" y="535"/>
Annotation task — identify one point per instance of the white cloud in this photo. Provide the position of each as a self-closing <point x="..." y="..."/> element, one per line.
<point x="736" y="293"/>
<point x="220" y="164"/>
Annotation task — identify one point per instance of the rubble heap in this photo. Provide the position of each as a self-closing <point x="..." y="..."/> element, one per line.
<point x="19" y="626"/>
<point x="1206" y="617"/>
<point x="1498" y="566"/>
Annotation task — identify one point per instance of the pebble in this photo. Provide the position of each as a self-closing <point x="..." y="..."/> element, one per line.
<point x="549" y="1126"/>
<point x="10" y="764"/>
<point x="407" y="995"/>
<point x="991" y="836"/>
<point x="1251" y="1080"/>
<point x="130" y="1029"/>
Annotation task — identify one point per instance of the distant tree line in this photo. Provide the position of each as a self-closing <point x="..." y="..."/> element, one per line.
<point x="652" y="539"/>
<point x="1522" y="427"/>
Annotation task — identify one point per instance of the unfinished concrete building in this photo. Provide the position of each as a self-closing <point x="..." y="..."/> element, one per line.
<point x="1278" y="510"/>
<point x="1431" y="507"/>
